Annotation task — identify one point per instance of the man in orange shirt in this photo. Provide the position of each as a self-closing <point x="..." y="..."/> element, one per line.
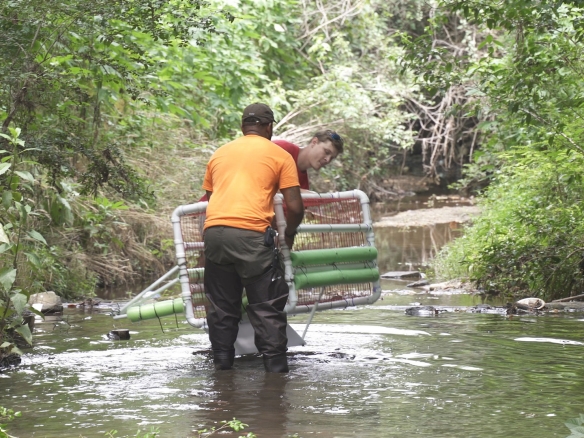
<point x="241" y="180"/>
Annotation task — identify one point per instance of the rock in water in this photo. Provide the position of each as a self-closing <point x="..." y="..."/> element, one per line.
<point x="531" y="303"/>
<point x="422" y="311"/>
<point x="119" y="335"/>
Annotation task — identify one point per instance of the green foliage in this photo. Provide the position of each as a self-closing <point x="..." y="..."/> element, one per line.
<point x="576" y="427"/>
<point x="530" y="236"/>
<point x="123" y="100"/>
<point x="72" y="73"/>
<point x="5" y="416"/>
<point x="16" y="238"/>
<point x="527" y="89"/>
<point x="65" y="65"/>
<point x="356" y="90"/>
<point x="235" y="425"/>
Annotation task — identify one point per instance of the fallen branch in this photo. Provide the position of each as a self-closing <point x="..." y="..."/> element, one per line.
<point x="561" y="300"/>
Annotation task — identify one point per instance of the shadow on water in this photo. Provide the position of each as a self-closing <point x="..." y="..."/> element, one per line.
<point x="367" y="371"/>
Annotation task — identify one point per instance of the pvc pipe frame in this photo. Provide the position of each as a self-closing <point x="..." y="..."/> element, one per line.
<point x="365" y="227"/>
<point x="148" y="292"/>
<point x="200" y="207"/>
<point x="183" y="274"/>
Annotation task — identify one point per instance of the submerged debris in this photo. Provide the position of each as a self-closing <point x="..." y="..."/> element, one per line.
<point x="402" y="274"/>
<point x="487" y="308"/>
<point x="419" y="283"/>
<point x="119" y="335"/>
<point x="530" y="303"/>
<point x="422" y="311"/>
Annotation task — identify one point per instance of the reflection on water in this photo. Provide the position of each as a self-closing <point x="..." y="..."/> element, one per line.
<point x="251" y="394"/>
<point x="412" y="248"/>
<point x="405" y="249"/>
<point x="368" y="372"/>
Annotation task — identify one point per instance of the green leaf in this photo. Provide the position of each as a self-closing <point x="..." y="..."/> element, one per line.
<point x="19" y="301"/>
<point x="7" y="312"/>
<point x="38" y="313"/>
<point x="17" y="350"/>
<point x="25" y="175"/>
<point x="3" y="237"/>
<point x="7" y="278"/>
<point x="4" y="167"/>
<point x="24" y="331"/>
<point x="64" y="202"/>
<point x="37" y="236"/>
<point x="33" y="259"/>
<point x="15" y="132"/>
<point x="6" y="199"/>
<point x="5" y="247"/>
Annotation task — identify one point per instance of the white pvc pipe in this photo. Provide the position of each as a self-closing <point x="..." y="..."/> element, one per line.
<point x="312" y="312"/>
<point x="285" y="251"/>
<point x="337" y="228"/>
<point x="145" y="293"/>
<point x="366" y="227"/>
<point x="179" y="244"/>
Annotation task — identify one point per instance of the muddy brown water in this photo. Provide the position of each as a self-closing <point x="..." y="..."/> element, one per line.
<point x="368" y="371"/>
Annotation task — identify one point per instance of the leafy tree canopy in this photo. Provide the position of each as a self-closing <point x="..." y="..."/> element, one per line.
<point x="528" y="89"/>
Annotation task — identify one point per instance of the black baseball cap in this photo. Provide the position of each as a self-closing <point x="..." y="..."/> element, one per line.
<point x="259" y="111"/>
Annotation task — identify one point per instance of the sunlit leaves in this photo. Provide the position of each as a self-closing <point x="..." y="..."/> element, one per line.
<point x="4" y="167"/>
<point x="530" y="236"/>
<point x="7" y="277"/>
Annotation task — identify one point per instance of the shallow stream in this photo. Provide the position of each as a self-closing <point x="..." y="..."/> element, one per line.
<point x="365" y="372"/>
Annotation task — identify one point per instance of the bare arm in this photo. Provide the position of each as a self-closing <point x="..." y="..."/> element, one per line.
<point x="294" y="213"/>
<point x="208" y="195"/>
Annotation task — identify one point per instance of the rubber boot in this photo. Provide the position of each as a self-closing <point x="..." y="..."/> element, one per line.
<point x="276" y="364"/>
<point x="223" y="360"/>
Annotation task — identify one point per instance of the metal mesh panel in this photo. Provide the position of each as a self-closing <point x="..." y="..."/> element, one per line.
<point x="332" y="211"/>
<point x="192" y="233"/>
<point x="339" y="292"/>
<point x="317" y="211"/>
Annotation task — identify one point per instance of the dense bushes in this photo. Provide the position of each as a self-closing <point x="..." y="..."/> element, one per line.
<point x="530" y="236"/>
<point x="528" y="88"/>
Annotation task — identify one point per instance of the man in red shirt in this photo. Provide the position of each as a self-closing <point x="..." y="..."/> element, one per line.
<point x="324" y="147"/>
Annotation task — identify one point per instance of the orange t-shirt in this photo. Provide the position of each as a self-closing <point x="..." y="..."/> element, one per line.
<point x="244" y="176"/>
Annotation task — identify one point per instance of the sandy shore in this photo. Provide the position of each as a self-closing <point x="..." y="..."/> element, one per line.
<point x="429" y="216"/>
